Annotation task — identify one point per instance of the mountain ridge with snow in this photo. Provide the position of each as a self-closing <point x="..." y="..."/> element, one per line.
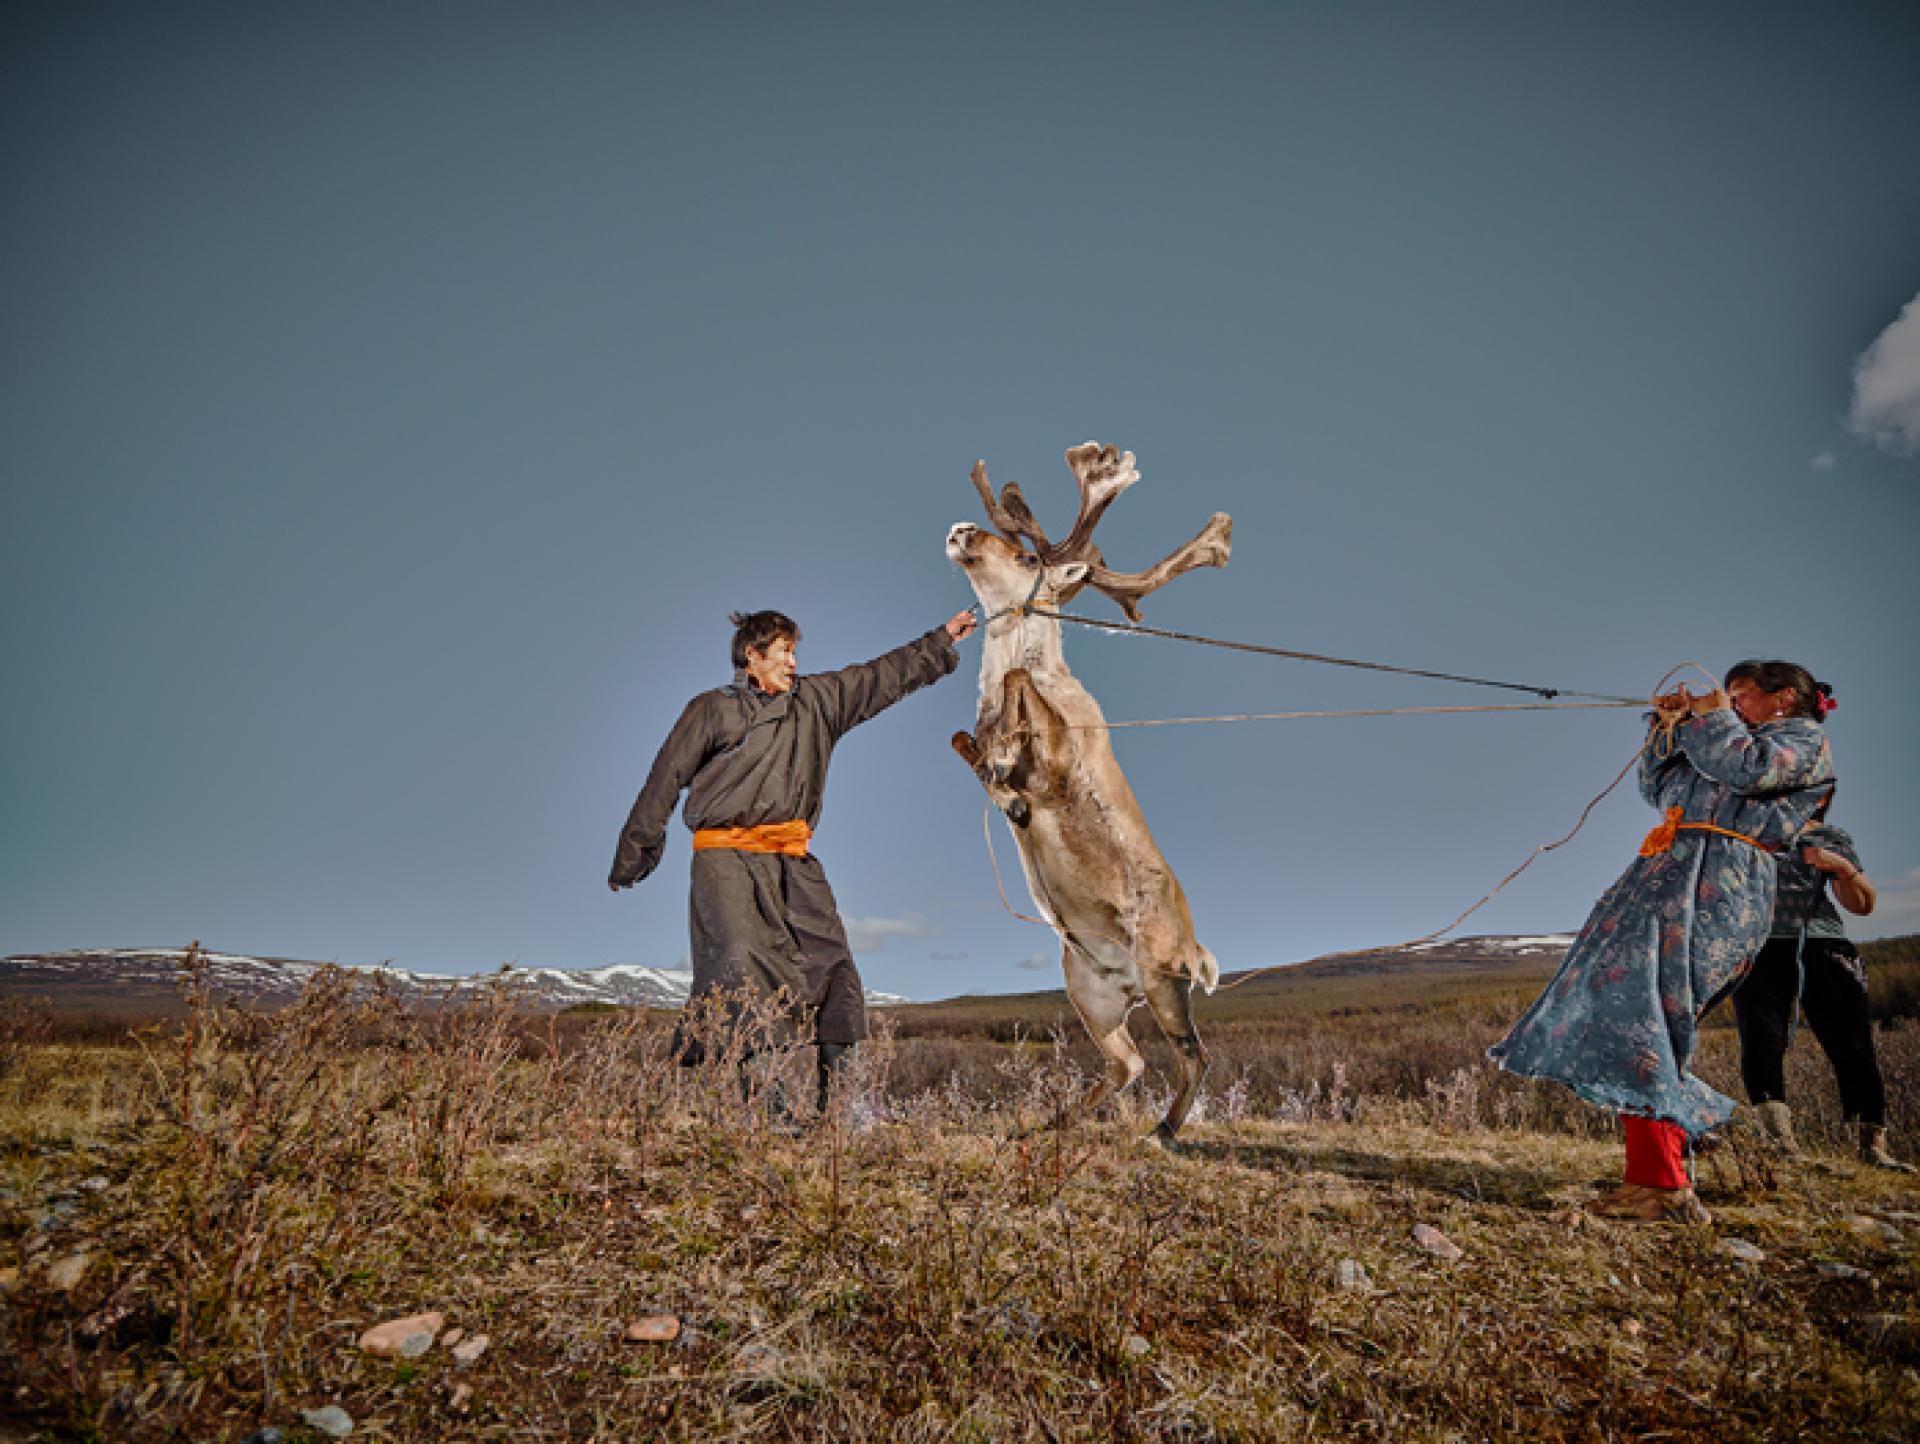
<point x="147" y="980"/>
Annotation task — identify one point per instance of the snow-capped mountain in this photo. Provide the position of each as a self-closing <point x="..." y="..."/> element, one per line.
<point x="146" y="979"/>
<point x="1515" y="947"/>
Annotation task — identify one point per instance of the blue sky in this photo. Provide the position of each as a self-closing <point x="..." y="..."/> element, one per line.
<point x="394" y="399"/>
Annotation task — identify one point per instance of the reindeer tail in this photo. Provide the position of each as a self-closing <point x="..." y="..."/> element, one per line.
<point x="1205" y="970"/>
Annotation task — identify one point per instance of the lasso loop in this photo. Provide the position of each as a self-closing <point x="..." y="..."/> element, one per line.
<point x="1660" y="739"/>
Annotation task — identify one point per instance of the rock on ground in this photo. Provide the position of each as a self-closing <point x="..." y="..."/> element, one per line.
<point x="470" y="1350"/>
<point x="66" y="1274"/>
<point x="1436" y="1242"/>
<point x="406" y="1338"/>
<point x="332" y="1421"/>
<point x="654" y="1329"/>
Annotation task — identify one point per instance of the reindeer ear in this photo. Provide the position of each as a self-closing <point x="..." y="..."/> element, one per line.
<point x="1069" y="574"/>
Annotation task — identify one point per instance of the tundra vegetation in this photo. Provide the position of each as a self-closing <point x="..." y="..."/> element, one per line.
<point x="1364" y="1232"/>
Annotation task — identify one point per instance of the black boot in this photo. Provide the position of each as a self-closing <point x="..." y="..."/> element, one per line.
<point x="833" y="1061"/>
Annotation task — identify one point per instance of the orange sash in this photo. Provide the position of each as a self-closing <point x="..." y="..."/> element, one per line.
<point x="1661" y="838"/>
<point x="790" y="838"/>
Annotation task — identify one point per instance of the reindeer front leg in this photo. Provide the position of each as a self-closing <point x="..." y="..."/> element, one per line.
<point x="1019" y="812"/>
<point x="1001" y="753"/>
<point x="1005" y="743"/>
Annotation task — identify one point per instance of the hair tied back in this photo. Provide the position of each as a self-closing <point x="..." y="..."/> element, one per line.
<point x="1824" y="702"/>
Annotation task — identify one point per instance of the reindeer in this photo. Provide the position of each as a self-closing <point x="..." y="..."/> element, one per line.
<point x="1041" y="749"/>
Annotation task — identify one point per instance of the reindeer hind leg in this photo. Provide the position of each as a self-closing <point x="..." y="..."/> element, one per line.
<point x="1171" y="1000"/>
<point x="1103" y="1006"/>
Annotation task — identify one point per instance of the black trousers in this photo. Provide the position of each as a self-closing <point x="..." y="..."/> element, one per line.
<point x="1829" y="982"/>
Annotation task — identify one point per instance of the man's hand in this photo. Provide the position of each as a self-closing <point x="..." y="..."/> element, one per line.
<point x="1674" y="705"/>
<point x="961" y="624"/>
<point x="1679" y="703"/>
<point x="1827" y="861"/>
<point x="1706" y="702"/>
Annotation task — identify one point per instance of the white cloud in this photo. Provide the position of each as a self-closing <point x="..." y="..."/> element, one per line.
<point x="1896" y="913"/>
<point x="939" y="957"/>
<point x="1886" y="385"/>
<point x="870" y="935"/>
<point x="1038" y="963"/>
<point x="1823" y="463"/>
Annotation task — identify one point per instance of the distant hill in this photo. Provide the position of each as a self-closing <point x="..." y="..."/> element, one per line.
<point x="142" y="982"/>
<point x="1425" y="975"/>
<point x="1486" y="977"/>
<point x="1510" y="956"/>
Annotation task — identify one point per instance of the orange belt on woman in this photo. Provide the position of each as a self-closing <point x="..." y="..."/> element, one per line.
<point x="790" y="838"/>
<point x="1661" y="838"/>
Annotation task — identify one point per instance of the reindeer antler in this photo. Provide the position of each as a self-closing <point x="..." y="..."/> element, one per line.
<point x="1210" y="549"/>
<point x="1102" y="473"/>
<point x="1011" y="516"/>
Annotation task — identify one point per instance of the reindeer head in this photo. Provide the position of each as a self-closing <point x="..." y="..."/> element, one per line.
<point x="1004" y="571"/>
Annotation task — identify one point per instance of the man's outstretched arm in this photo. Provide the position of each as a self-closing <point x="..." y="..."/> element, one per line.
<point x="866" y="689"/>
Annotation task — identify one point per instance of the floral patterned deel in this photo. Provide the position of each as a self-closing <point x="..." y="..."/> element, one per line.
<point x="1680" y="928"/>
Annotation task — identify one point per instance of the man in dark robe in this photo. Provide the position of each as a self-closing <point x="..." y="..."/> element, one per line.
<point x="752" y="758"/>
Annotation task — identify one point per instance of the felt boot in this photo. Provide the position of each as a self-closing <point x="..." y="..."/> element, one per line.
<point x="1642" y="1203"/>
<point x="1873" y="1148"/>
<point x="1776" y="1121"/>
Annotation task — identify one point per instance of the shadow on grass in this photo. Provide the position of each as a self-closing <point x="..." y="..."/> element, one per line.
<point x="1514" y="1185"/>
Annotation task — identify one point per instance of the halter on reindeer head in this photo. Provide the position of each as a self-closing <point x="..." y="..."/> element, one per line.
<point x="1022" y="562"/>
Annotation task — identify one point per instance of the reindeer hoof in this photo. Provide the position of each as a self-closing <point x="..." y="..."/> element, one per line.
<point x="1164" y="1138"/>
<point x="1019" y="813"/>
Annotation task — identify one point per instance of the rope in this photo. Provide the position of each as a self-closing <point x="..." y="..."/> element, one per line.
<point x="1356" y="712"/>
<point x="1585" y="812"/>
<point x="1136" y="630"/>
<point x="986" y="830"/>
<point x="986" y="826"/>
<point x="1659" y="739"/>
<point x="1021" y="608"/>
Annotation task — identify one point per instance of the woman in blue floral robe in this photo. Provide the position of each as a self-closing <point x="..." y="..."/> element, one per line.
<point x="1738" y="778"/>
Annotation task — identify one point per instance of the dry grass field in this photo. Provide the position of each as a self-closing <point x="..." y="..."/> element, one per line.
<point x="198" y="1223"/>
